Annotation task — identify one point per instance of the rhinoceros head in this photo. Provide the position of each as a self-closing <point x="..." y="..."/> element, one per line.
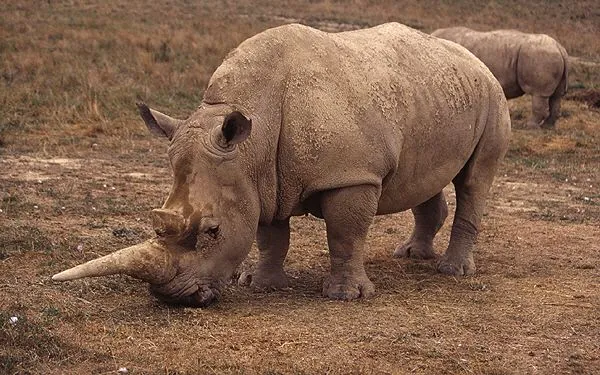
<point x="206" y="226"/>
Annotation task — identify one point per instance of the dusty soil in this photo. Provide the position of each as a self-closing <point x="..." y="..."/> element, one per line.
<point x="531" y="308"/>
<point x="71" y="190"/>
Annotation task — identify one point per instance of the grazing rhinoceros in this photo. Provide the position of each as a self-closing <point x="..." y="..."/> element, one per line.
<point x="343" y="126"/>
<point x="534" y="64"/>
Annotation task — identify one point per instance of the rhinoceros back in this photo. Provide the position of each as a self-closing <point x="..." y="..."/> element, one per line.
<point x="387" y="106"/>
<point x="515" y="58"/>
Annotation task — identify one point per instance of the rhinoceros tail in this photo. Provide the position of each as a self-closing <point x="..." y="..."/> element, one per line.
<point x="559" y="92"/>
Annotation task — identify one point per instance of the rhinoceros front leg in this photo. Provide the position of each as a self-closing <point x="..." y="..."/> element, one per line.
<point x="429" y="218"/>
<point x="540" y="111"/>
<point x="348" y="213"/>
<point x="273" y="242"/>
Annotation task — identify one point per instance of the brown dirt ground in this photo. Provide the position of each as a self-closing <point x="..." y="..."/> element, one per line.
<point x="73" y="190"/>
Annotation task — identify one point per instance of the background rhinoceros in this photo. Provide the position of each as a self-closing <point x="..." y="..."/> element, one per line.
<point x="343" y="126"/>
<point x="523" y="63"/>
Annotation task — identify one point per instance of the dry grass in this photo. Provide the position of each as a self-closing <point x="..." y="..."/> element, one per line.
<point x="79" y="174"/>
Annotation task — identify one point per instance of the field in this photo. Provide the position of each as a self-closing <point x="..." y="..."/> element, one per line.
<point x="79" y="173"/>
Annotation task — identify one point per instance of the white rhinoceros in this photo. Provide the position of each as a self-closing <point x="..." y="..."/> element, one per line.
<point x="523" y="63"/>
<point x="344" y="126"/>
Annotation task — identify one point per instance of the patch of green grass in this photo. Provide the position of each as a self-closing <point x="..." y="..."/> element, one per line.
<point x="50" y="313"/>
<point x="11" y="201"/>
<point x="533" y="162"/>
<point x="559" y="176"/>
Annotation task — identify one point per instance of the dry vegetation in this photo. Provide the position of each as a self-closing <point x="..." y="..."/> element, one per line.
<point x="79" y="173"/>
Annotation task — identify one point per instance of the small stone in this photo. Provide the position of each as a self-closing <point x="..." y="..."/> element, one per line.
<point x="62" y="208"/>
<point x="112" y="188"/>
<point x="104" y="185"/>
<point x="35" y="207"/>
<point x="13" y="320"/>
<point x="1" y="211"/>
<point x="586" y="198"/>
<point x="122" y="370"/>
<point x="80" y="247"/>
<point x="39" y="181"/>
<point x="94" y="208"/>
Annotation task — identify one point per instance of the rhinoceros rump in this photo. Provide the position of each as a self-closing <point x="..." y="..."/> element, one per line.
<point x="534" y="64"/>
<point x="344" y="126"/>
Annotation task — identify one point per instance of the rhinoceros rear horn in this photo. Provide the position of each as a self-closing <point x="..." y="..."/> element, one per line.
<point x="158" y="123"/>
<point x="149" y="261"/>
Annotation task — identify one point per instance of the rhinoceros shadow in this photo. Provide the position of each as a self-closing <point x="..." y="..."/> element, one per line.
<point x="389" y="275"/>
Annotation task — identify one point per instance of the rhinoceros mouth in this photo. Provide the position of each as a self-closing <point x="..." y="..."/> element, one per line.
<point x="153" y="262"/>
<point x="190" y="295"/>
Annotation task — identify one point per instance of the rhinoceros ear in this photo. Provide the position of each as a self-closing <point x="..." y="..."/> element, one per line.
<point x="158" y="123"/>
<point x="235" y="129"/>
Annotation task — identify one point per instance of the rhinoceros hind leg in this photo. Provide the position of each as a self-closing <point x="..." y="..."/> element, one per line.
<point x="348" y="213"/>
<point x="550" y="122"/>
<point x="472" y="185"/>
<point x="458" y="258"/>
<point x="429" y="218"/>
<point x="540" y="111"/>
<point x="273" y="243"/>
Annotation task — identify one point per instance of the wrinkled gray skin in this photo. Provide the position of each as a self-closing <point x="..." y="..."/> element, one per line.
<point x="343" y="126"/>
<point x="523" y="63"/>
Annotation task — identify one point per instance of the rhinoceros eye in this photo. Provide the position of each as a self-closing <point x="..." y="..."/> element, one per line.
<point x="210" y="226"/>
<point x="213" y="231"/>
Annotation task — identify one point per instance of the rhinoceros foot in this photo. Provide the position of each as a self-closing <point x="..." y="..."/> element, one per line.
<point x="548" y="125"/>
<point x="416" y="250"/>
<point x="264" y="280"/>
<point x="532" y="125"/>
<point x="456" y="266"/>
<point x="348" y="289"/>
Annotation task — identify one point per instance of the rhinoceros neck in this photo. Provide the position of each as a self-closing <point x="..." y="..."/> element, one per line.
<point x="253" y="79"/>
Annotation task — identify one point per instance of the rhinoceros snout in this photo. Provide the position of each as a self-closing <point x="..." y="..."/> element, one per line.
<point x="167" y="223"/>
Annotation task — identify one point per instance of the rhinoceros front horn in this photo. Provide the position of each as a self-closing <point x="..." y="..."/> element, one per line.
<point x="150" y="261"/>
